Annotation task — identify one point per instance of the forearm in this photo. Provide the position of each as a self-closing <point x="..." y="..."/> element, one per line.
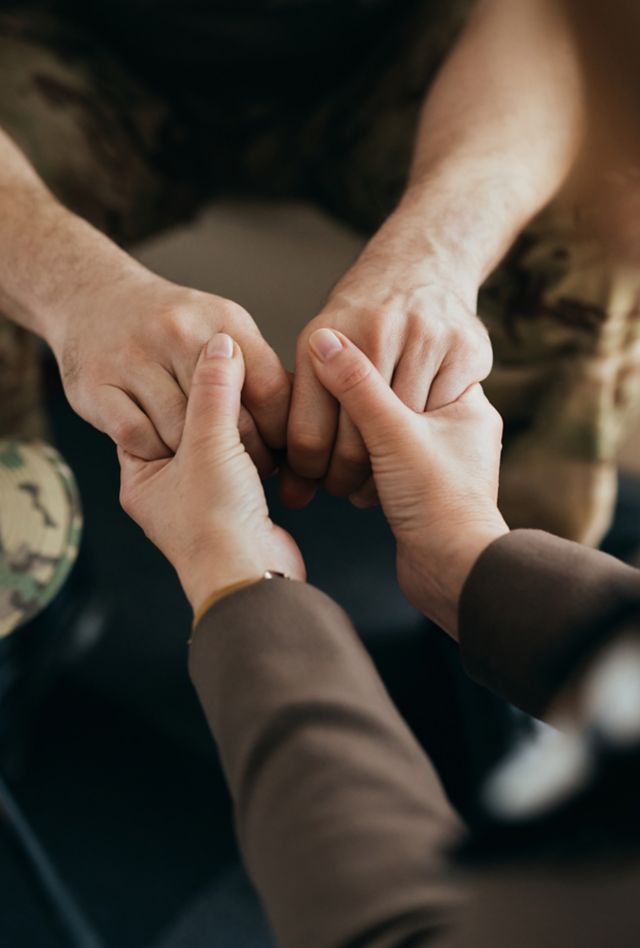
<point x="340" y="816"/>
<point x="499" y="133"/>
<point x="47" y="254"/>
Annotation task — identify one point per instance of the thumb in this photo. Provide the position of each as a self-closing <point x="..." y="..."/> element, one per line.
<point x="353" y="380"/>
<point x="214" y="397"/>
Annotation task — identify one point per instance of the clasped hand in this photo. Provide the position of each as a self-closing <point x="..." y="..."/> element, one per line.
<point x="435" y="472"/>
<point x="127" y="348"/>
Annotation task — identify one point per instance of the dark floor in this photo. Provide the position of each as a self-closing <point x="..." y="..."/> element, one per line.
<point x="120" y="780"/>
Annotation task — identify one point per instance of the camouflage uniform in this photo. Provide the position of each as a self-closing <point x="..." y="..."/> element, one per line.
<point x="40" y="529"/>
<point x="134" y="153"/>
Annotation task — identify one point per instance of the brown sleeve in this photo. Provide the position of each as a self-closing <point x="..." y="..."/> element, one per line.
<point x="530" y="608"/>
<point x="340" y="815"/>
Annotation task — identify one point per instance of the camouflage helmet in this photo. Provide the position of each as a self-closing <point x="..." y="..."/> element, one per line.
<point x="40" y="529"/>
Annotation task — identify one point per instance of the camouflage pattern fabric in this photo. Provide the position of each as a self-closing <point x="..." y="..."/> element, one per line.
<point x="564" y="319"/>
<point x="40" y="529"/>
<point x="134" y="153"/>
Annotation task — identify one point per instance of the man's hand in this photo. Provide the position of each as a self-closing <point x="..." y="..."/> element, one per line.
<point x="417" y="324"/>
<point x="205" y="508"/>
<point x="126" y="340"/>
<point x="127" y="349"/>
<point x="501" y="127"/>
<point x="436" y="473"/>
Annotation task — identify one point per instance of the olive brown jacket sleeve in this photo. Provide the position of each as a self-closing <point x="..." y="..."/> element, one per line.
<point x="533" y="607"/>
<point x="341" y="818"/>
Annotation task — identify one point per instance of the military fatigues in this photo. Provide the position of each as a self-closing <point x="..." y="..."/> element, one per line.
<point x="135" y="136"/>
<point x="40" y="529"/>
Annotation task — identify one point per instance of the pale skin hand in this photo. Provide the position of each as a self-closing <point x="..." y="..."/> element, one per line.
<point x="205" y="508"/>
<point x="125" y="339"/>
<point x="419" y="328"/>
<point x="436" y="474"/>
<point x="127" y="356"/>
<point x="500" y="132"/>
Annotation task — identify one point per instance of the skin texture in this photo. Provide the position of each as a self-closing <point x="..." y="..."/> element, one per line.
<point x="436" y="474"/>
<point x="424" y="338"/>
<point x="140" y="399"/>
<point x="500" y="130"/>
<point x="125" y="339"/>
<point x="205" y="508"/>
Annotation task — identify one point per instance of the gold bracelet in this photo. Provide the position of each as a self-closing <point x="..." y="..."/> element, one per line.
<point x="233" y="587"/>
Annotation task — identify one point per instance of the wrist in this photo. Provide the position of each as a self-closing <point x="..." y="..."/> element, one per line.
<point x="402" y="256"/>
<point x="425" y="230"/>
<point x="467" y="214"/>
<point x="203" y="581"/>
<point x="48" y="258"/>
<point x="437" y="571"/>
<point x="103" y="268"/>
<point x="203" y="608"/>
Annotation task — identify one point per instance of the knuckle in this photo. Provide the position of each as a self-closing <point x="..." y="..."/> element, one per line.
<point x="421" y="321"/>
<point x="481" y="334"/>
<point x="471" y="351"/>
<point x="127" y="431"/>
<point x="174" y="409"/>
<point x="379" y="326"/>
<point x="459" y="336"/>
<point x="273" y="387"/>
<point x="235" y="315"/>
<point x="432" y="336"/>
<point x="180" y="329"/>
<point x="480" y="351"/>
<point x="379" y="317"/>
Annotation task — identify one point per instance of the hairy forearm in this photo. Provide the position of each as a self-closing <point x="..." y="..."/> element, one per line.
<point x="500" y="131"/>
<point x="47" y="254"/>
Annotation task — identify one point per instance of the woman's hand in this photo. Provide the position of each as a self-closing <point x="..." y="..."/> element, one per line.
<point x="205" y="508"/>
<point x="436" y="473"/>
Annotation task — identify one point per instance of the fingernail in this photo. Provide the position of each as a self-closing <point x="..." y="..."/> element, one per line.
<point x="325" y="344"/>
<point x="220" y="346"/>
